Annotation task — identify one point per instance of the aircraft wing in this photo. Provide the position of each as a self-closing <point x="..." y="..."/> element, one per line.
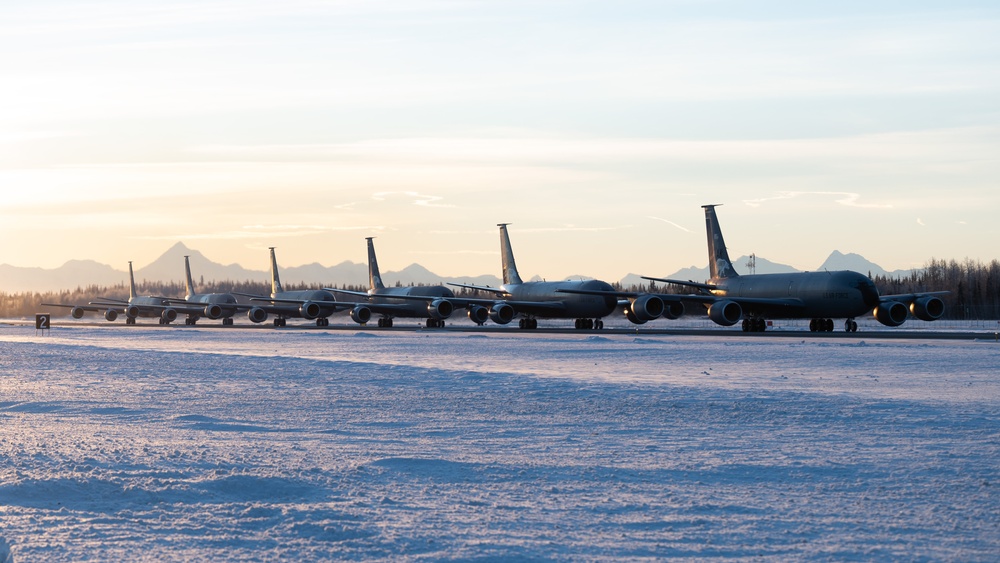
<point x="458" y="302"/>
<point x="485" y="288"/>
<point x="335" y="305"/>
<point x="687" y="283"/>
<point x="908" y="298"/>
<point x="90" y="308"/>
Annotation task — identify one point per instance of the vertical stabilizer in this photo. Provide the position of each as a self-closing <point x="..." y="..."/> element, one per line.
<point x="131" y="282"/>
<point x="510" y="275"/>
<point x="188" y="282"/>
<point x="275" y="281"/>
<point x="374" y="277"/>
<point x="719" y="264"/>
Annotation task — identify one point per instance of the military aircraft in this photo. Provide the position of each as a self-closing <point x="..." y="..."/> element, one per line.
<point x="307" y="304"/>
<point x="547" y="300"/>
<point x="819" y="296"/>
<point x="212" y="305"/>
<point x="435" y="303"/>
<point x="136" y="306"/>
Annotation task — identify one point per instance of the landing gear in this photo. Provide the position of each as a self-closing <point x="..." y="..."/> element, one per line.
<point x="322" y="322"/>
<point x="527" y="324"/>
<point x="385" y="322"/>
<point x="850" y="325"/>
<point x="435" y="323"/>
<point x="589" y="324"/>
<point x="228" y="321"/>
<point x="190" y="321"/>
<point x="279" y="322"/>
<point x="129" y="321"/>
<point x="821" y="325"/>
<point x="754" y="324"/>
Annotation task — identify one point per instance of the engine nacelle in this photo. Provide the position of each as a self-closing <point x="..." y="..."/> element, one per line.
<point x="361" y="314"/>
<point x="213" y="311"/>
<point x="501" y="313"/>
<point x="645" y="308"/>
<point x="131" y="312"/>
<point x="77" y="313"/>
<point x="440" y="309"/>
<point x="478" y="314"/>
<point x="256" y="315"/>
<point x="673" y="311"/>
<point x="110" y="315"/>
<point x="169" y="315"/>
<point x="725" y="313"/>
<point x="927" y="308"/>
<point x="309" y="310"/>
<point x="632" y="318"/>
<point x="892" y="313"/>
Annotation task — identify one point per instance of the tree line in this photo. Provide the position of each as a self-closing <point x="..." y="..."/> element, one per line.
<point x="974" y="287"/>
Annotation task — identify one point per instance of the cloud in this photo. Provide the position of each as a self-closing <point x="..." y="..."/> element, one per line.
<point x="261" y="232"/>
<point x="849" y="199"/>
<point x="921" y="222"/>
<point x="671" y="223"/>
<point x="418" y="199"/>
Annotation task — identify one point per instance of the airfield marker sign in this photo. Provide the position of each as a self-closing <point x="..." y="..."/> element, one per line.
<point x="43" y="322"/>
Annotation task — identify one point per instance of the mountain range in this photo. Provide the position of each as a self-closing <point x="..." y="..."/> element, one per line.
<point x="169" y="267"/>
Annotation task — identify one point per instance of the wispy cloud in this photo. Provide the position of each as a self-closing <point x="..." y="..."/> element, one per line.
<point x="419" y="199"/>
<point x="849" y="199"/>
<point x="669" y="222"/>
<point x="251" y="232"/>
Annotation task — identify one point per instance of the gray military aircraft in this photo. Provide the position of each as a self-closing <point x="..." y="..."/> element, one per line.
<point x="137" y="306"/>
<point x="819" y="296"/>
<point x="211" y="305"/>
<point x="547" y="300"/>
<point x="307" y="304"/>
<point x="435" y="303"/>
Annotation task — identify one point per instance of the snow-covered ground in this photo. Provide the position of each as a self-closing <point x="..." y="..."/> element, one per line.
<point x="194" y="444"/>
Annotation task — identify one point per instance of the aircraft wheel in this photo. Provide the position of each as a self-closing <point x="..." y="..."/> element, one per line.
<point x="520" y="323"/>
<point x="746" y="325"/>
<point x="599" y="324"/>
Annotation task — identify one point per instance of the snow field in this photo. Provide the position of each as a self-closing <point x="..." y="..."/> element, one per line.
<point x="262" y="445"/>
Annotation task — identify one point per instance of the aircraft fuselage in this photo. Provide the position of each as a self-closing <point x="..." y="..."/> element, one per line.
<point x="840" y="294"/>
<point x="577" y="306"/>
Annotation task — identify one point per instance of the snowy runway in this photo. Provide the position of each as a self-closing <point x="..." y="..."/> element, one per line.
<point x="256" y="445"/>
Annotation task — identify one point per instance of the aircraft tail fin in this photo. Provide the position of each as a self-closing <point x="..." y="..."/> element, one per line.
<point x="719" y="264"/>
<point x="131" y="282"/>
<point x="374" y="277"/>
<point x="510" y="275"/>
<point x="189" y="283"/>
<point x="275" y="280"/>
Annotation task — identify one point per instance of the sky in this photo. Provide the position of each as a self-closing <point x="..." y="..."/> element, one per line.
<point x="597" y="129"/>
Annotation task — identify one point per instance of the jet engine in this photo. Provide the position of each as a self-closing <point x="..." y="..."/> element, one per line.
<point x="892" y="313"/>
<point x="110" y="315"/>
<point x="131" y="312"/>
<point x="256" y="315"/>
<point x="501" y="313"/>
<point x="478" y="314"/>
<point x="361" y="314"/>
<point x="169" y="315"/>
<point x="927" y="308"/>
<point x="644" y="308"/>
<point x="440" y="309"/>
<point x="213" y="311"/>
<point x="673" y="310"/>
<point x="77" y="313"/>
<point x="309" y="310"/>
<point x="725" y="313"/>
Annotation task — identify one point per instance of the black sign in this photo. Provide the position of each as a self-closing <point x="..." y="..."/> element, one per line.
<point x="43" y="321"/>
